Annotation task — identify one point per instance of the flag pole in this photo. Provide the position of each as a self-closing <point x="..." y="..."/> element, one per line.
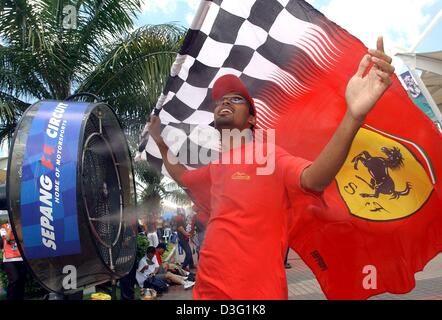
<point x="427" y="31"/>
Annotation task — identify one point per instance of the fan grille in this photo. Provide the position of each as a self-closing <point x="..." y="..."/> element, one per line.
<point x="103" y="197"/>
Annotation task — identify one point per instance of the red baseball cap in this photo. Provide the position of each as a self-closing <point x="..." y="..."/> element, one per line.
<point x="230" y="83"/>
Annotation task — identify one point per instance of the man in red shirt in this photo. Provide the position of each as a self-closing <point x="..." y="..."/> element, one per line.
<point x="246" y="236"/>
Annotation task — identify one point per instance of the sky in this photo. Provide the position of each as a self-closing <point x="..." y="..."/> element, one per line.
<point x="401" y="22"/>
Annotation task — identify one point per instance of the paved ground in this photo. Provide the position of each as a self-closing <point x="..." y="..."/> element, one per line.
<point x="303" y="285"/>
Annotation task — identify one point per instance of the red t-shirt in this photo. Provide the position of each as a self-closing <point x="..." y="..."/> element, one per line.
<point x="246" y="236"/>
<point x="158" y="255"/>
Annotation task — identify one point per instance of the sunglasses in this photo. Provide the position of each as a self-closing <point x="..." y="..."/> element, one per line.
<point x="233" y="100"/>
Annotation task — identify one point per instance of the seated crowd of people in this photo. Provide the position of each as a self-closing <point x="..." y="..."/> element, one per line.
<point x="155" y="274"/>
<point x="149" y="271"/>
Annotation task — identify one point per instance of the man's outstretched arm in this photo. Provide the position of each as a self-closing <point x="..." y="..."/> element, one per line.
<point x="363" y="91"/>
<point x="171" y="163"/>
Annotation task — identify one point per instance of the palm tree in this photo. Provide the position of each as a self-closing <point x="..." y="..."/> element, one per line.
<point x="42" y="58"/>
<point x="152" y="188"/>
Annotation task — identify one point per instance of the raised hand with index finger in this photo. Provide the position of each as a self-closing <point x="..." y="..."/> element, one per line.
<point x="369" y="83"/>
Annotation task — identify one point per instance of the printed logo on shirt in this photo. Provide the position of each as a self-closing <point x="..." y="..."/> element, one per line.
<point x="240" y="176"/>
<point x="382" y="179"/>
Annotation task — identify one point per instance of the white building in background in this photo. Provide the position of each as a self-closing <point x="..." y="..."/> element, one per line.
<point x="426" y="69"/>
<point x="4" y="149"/>
<point x="4" y="163"/>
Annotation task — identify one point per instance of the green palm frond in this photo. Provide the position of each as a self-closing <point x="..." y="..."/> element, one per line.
<point x="11" y="110"/>
<point x="19" y="74"/>
<point x="100" y="21"/>
<point x="134" y="72"/>
<point x="152" y="187"/>
<point x="178" y="197"/>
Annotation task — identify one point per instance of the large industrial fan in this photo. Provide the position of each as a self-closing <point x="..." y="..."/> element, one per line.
<point x="70" y="194"/>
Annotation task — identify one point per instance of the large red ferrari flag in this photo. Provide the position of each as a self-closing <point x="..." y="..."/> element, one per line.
<point x="381" y="221"/>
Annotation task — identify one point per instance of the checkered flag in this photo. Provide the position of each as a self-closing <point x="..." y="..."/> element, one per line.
<point x="296" y="64"/>
<point x="278" y="48"/>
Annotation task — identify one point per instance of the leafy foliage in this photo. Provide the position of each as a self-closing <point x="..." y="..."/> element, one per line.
<point x="142" y="244"/>
<point x="152" y="188"/>
<point x="42" y="58"/>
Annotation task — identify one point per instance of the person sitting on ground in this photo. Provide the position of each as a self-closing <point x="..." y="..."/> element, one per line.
<point x="164" y="270"/>
<point x="149" y="276"/>
<point x="171" y="267"/>
<point x="146" y="271"/>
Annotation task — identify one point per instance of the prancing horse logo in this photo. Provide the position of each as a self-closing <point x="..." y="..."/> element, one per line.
<point x="381" y="182"/>
<point x="382" y="178"/>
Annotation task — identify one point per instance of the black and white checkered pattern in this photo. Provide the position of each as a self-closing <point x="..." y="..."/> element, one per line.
<point x="253" y="39"/>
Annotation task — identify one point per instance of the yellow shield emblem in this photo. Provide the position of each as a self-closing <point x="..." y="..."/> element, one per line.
<point x="381" y="179"/>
